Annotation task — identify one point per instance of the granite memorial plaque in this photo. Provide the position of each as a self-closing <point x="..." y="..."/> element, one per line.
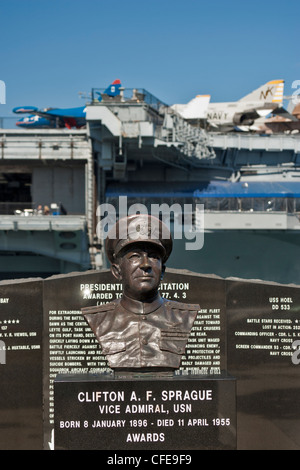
<point x="206" y="347"/>
<point x="105" y="413"/>
<point x="145" y="333"/>
<point x="263" y="328"/>
<point x="21" y="366"/>
<point x="71" y="346"/>
<point x="249" y="328"/>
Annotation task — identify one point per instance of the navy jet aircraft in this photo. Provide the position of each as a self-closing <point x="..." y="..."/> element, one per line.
<point x="288" y="123"/>
<point x="51" y="118"/>
<point x="238" y="115"/>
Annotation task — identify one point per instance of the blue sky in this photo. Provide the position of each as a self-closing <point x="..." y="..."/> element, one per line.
<point x="52" y="49"/>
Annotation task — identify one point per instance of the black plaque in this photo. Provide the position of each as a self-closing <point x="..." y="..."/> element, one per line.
<point x="71" y="346"/>
<point x="248" y="328"/>
<point x="21" y="333"/>
<point x="206" y="348"/>
<point x="104" y="413"/>
<point x="263" y="322"/>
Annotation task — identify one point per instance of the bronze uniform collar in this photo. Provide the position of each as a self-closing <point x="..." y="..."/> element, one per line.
<point x="141" y="308"/>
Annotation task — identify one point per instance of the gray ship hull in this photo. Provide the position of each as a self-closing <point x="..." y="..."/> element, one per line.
<point x="140" y="149"/>
<point x="258" y="254"/>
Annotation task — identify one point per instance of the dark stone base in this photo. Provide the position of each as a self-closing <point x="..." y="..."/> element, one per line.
<point x="101" y="412"/>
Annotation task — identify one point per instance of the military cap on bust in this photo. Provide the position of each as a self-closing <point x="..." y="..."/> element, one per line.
<point x="138" y="228"/>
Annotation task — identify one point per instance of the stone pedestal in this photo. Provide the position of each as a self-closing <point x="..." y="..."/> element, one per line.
<point x="101" y="412"/>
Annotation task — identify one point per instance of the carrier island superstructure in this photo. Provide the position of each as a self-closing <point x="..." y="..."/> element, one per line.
<point x="136" y="146"/>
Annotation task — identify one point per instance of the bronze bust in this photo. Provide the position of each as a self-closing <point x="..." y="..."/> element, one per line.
<point x="141" y="330"/>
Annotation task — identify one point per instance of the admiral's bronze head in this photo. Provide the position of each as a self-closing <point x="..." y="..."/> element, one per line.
<point x="138" y="248"/>
<point x="141" y="330"/>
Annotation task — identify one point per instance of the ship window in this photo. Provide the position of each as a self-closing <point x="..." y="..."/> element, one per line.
<point x="246" y="204"/>
<point x="290" y="203"/>
<point x="15" y="192"/>
<point x="15" y="187"/>
<point x="297" y="204"/>
<point x="67" y="235"/>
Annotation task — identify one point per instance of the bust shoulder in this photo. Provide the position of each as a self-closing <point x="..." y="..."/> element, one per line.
<point x="182" y="306"/>
<point x="99" y="308"/>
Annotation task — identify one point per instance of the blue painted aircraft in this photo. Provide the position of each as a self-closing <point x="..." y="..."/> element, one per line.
<point x="51" y="118"/>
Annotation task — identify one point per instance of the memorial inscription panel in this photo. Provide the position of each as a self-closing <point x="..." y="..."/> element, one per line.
<point x="103" y="413"/>
<point x="21" y="334"/>
<point x="248" y="328"/>
<point x="73" y="348"/>
<point x="268" y="322"/>
<point x="263" y="322"/>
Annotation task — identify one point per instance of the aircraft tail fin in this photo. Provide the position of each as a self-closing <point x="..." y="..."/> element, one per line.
<point x="271" y="92"/>
<point x="114" y="88"/>
<point x="194" y="109"/>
